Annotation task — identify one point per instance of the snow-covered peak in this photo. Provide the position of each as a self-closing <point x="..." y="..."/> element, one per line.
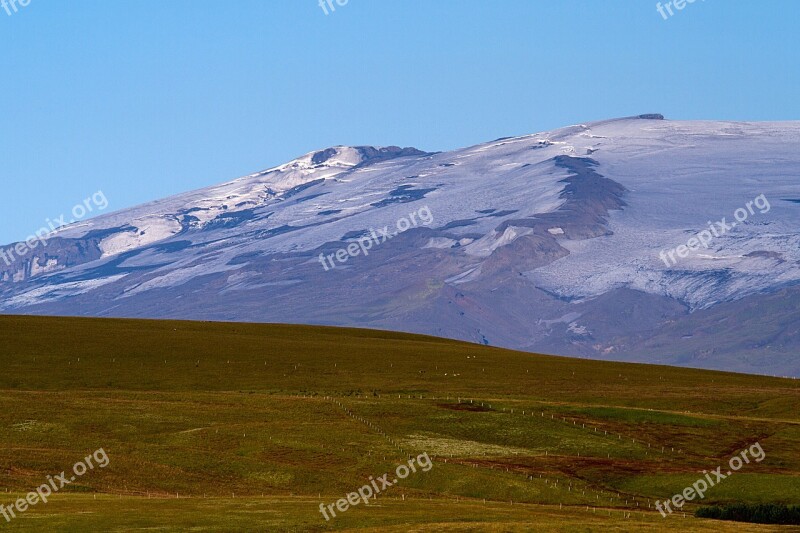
<point x="336" y="156"/>
<point x="327" y="163"/>
<point x="550" y="241"/>
<point x="241" y="194"/>
<point x="311" y="166"/>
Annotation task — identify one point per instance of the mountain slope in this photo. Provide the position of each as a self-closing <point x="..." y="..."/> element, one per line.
<point x="553" y="242"/>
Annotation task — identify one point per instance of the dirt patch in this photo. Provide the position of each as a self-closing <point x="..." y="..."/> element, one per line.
<point x="464" y="407"/>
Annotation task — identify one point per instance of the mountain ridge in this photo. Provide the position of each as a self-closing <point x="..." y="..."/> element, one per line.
<point x="543" y="242"/>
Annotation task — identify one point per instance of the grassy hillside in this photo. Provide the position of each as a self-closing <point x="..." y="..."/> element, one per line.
<point x="234" y="427"/>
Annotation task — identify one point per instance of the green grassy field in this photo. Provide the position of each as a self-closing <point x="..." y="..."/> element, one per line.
<point x="234" y="427"/>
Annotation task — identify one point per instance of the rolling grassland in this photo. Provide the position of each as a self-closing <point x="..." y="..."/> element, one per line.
<point x="250" y="427"/>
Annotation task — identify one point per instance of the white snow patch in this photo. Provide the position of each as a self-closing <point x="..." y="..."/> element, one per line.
<point x="484" y="246"/>
<point x="146" y="230"/>
<point x="440" y="242"/>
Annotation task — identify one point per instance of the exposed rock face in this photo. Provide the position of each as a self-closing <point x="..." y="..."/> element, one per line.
<point x="50" y="255"/>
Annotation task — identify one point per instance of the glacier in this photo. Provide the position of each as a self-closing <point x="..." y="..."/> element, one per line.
<point x="543" y="242"/>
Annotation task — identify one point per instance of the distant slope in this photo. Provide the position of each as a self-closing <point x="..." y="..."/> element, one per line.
<point x="42" y="353"/>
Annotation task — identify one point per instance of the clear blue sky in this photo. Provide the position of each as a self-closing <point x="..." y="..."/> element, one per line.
<point x="146" y="98"/>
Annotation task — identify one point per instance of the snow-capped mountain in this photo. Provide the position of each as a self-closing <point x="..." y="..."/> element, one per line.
<point x="637" y="239"/>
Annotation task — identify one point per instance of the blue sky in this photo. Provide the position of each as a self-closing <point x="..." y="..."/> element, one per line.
<point x="147" y="98"/>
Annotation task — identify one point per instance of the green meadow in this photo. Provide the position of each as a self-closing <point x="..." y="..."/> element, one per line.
<point x="250" y="427"/>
